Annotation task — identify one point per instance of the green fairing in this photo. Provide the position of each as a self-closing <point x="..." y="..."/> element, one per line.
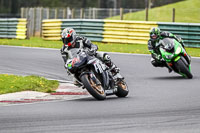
<point x="164" y="54"/>
<point x="177" y="58"/>
<point x="174" y="56"/>
<point x="69" y="66"/>
<point x="190" y="67"/>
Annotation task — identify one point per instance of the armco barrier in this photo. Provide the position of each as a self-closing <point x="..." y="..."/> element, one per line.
<point x="13" y="28"/>
<point x="100" y="30"/>
<point x="189" y="32"/>
<point x="51" y="29"/>
<point x="93" y="29"/>
<point x="127" y="31"/>
<point x="133" y="32"/>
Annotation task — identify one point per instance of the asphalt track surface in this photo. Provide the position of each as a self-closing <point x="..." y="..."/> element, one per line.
<point x="158" y="102"/>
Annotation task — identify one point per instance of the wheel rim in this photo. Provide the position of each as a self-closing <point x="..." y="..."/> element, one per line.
<point x="96" y="87"/>
<point x="122" y="85"/>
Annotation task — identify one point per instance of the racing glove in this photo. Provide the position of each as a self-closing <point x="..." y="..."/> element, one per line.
<point x="92" y="51"/>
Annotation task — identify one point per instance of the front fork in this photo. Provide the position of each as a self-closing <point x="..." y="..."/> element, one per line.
<point x="187" y="61"/>
<point x="186" y="56"/>
<point x="114" y="80"/>
<point x="94" y="78"/>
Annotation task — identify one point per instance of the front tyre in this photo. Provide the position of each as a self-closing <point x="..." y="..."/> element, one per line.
<point x="183" y="68"/>
<point x="95" y="90"/>
<point x="122" y="89"/>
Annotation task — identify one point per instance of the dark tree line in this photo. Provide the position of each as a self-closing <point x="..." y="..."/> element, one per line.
<point x="13" y="6"/>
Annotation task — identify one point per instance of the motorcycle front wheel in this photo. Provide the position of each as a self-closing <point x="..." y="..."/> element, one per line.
<point x="122" y="89"/>
<point x="95" y="90"/>
<point x="184" y="68"/>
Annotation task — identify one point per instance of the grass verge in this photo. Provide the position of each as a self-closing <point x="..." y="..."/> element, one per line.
<point x="107" y="47"/>
<point x="32" y="42"/>
<point x="186" y="11"/>
<point x="13" y="83"/>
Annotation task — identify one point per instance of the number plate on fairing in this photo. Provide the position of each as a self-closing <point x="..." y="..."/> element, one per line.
<point x="99" y="67"/>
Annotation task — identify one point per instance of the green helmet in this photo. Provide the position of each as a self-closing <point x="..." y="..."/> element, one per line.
<point x="155" y="34"/>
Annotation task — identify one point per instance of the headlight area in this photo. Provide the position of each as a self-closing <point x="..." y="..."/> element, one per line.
<point x="178" y="50"/>
<point x="169" y="56"/>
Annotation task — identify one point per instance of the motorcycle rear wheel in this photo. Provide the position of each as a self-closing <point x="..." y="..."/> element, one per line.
<point x="95" y="90"/>
<point x="122" y="89"/>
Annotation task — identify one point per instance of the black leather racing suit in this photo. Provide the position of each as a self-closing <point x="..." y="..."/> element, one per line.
<point x="80" y="42"/>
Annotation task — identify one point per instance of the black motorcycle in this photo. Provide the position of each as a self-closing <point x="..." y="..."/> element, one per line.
<point x="95" y="76"/>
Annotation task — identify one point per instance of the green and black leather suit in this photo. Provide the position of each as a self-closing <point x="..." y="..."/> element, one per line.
<point x="155" y="53"/>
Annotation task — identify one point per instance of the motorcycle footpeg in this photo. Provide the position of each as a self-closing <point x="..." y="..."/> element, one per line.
<point x="110" y="91"/>
<point x="83" y="87"/>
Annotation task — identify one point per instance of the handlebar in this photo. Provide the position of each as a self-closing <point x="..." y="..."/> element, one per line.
<point x="87" y="51"/>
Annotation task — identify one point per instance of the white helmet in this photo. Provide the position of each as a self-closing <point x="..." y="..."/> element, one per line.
<point x="68" y="36"/>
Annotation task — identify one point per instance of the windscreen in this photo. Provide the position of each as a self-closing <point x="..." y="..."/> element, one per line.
<point x="167" y="41"/>
<point x="73" y="52"/>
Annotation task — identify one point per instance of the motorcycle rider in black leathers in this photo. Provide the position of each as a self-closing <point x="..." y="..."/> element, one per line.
<point x="155" y="35"/>
<point x="71" y="40"/>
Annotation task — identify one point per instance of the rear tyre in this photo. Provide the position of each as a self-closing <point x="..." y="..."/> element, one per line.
<point x="95" y="90"/>
<point x="184" y="68"/>
<point x="122" y="89"/>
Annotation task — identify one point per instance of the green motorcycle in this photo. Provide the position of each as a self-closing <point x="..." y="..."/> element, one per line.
<point x="175" y="56"/>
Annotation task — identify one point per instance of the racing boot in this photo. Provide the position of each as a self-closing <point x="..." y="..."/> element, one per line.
<point x="113" y="68"/>
<point x="169" y="69"/>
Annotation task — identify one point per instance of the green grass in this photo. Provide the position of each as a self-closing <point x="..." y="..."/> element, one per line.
<point x="13" y="83"/>
<point x="107" y="47"/>
<point x="123" y="48"/>
<point x="138" y="48"/>
<point x="32" y="42"/>
<point x="195" y="52"/>
<point x="186" y="11"/>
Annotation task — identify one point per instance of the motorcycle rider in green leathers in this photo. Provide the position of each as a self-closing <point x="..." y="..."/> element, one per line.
<point x="155" y="36"/>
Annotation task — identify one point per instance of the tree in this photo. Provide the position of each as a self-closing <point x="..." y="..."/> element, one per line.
<point x="13" y="6"/>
